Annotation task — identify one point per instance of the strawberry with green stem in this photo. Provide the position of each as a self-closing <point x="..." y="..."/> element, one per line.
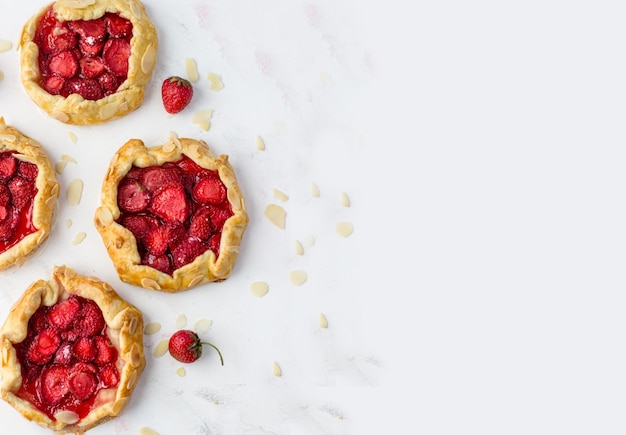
<point x="185" y="346"/>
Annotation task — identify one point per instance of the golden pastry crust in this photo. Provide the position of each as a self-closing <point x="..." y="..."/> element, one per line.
<point x="75" y="109"/>
<point x="45" y="200"/>
<point x="125" y="328"/>
<point x="121" y="244"/>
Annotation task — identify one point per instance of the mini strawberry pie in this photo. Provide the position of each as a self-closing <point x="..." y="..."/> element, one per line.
<point x="88" y="61"/>
<point x="71" y="352"/>
<point x="171" y="217"/>
<point x="28" y="195"/>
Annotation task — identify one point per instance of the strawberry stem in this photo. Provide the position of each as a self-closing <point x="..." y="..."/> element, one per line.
<point x="214" y="347"/>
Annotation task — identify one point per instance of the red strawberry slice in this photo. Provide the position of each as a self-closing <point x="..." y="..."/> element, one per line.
<point x="5" y="196"/>
<point x="27" y="170"/>
<point x="156" y="177"/>
<point x="91" y="67"/>
<point x="38" y="321"/>
<point x="43" y="346"/>
<point x="22" y="192"/>
<point x="105" y="352"/>
<point x="89" y="320"/>
<point x="210" y="189"/>
<point x="201" y="225"/>
<point x="115" y="55"/>
<point x="157" y="241"/>
<point x="187" y="251"/>
<point x="8" y="226"/>
<point x="109" y="83"/>
<point x="188" y="165"/>
<point x="64" y="354"/>
<point x="54" y="85"/>
<point x="132" y="196"/>
<point x="56" y="36"/>
<point x="139" y="225"/>
<point x="85" y="349"/>
<point x="176" y="233"/>
<point x="117" y="26"/>
<point x="89" y="30"/>
<point x="162" y="263"/>
<point x="63" y="313"/>
<point x="219" y="216"/>
<point x="89" y="89"/>
<point x="8" y="166"/>
<point x="170" y="204"/>
<point x="54" y="384"/>
<point x="214" y="243"/>
<point x="63" y="64"/>
<point x="91" y="48"/>
<point x="82" y="384"/>
<point x="109" y="376"/>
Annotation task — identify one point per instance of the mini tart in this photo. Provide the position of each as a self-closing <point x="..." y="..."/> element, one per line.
<point x="74" y="109"/>
<point x="28" y="180"/>
<point x="70" y="307"/>
<point x="215" y="245"/>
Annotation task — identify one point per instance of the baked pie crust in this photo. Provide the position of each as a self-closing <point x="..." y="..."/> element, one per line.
<point x="75" y="109"/>
<point x="44" y="202"/>
<point x="124" y="328"/>
<point x="121" y="244"/>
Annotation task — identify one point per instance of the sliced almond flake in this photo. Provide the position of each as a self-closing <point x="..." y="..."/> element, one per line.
<point x="1" y="75"/>
<point x="297" y="277"/>
<point x="59" y="167"/>
<point x="192" y="69"/>
<point x="79" y="237"/>
<point x="5" y="45"/>
<point x="152" y="328"/>
<point x="110" y="109"/>
<point x="259" y="288"/>
<point x="7" y="137"/>
<point x="60" y="116"/>
<point x="276" y="214"/>
<point x="104" y="216"/>
<point x="135" y="9"/>
<point x="202" y="118"/>
<point x="68" y="223"/>
<point x="148" y="59"/>
<point x="144" y="430"/>
<point x="202" y="326"/>
<point x="181" y="371"/>
<point x="68" y="158"/>
<point x="315" y="191"/>
<point x="67" y="417"/>
<point x="75" y="191"/>
<point x="323" y="321"/>
<point x="344" y="229"/>
<point x="175" y="140"/>
<point x="281" y="196"/>
<point x="161" y="348"/>
<point x="78" y="4"/>
<point x="345" y="200"/>
<point x="260" y="144"/>
<point x="72" y="136"/>
<point x="299" y="248"/>
<point x="276" y="370"/>
<point x="216" y="81"/>
<point x="181" y="321"/>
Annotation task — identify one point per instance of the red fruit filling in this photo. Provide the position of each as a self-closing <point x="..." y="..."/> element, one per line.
<point x="85" y="57"/>
<point x="67" y="357"/>
<point x="17" y="191"/>
<point x="175" y="211"/>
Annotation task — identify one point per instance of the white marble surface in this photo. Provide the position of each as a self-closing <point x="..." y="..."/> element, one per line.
<point x="306" y="77"/>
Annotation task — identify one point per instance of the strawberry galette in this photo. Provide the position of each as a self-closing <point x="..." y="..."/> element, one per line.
<point x="172" y="216"/>
<point x="28" y="195"/>
<point x="71" y="352"/>
<point x="88" y="61"/>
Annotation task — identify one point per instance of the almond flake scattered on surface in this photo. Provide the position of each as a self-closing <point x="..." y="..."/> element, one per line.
<point x="315" y="191"/>
<point x="323" y="321"/>
<point x="181" y="321"/>
<point x="276" y="214"/>
<point x="260" y="144"/>
<point x="297" y="277"/>
<point x="67" y="158"/>
<point x="299" y="248"/>
<point x="59" y="167"/>
<point x="79" y="237"/>
<point x="281" y="196"/>
<point x="72" y="136"/>
<point x="276" y="370"/>
<point x="152" y="328"/>
<point x="345" y="200"/>
<point x="202" y="326"/>
<point x="216" y="81"/>
<point x="202" y="118"/>
<point x="309" y="241"/>
<point x="1" y="75"/>
<point x="181" y="372"/>
<point x="144" y="430"/>
<point x="68" y="223"/>
<point x="344" y="229"/>
<point x="192" y="70"/>
<point x="5" y="45"/>
<point x="161" y="348"/>
<point x="75" y="191"/>
<point x="259" y="288"/>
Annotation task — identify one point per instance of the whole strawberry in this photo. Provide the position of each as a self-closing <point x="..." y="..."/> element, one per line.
<point x="185" y="346"/>
<point x="176" y="93"/>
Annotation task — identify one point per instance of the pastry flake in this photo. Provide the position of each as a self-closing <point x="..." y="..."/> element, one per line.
<point x="172" y="216"/>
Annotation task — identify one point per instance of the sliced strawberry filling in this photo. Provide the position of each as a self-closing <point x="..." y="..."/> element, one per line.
<point x="17" y="191"/>
<point x="67" y="357"/>
<point x="85" y="57"/>
<point x="176" y="212"/>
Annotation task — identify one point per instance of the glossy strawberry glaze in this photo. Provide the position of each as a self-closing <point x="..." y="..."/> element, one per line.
<point x="22" y="221"/>
<point x="36" y="389"/>
<point x="89" y="58"/>
<point x="172" y="231"/>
